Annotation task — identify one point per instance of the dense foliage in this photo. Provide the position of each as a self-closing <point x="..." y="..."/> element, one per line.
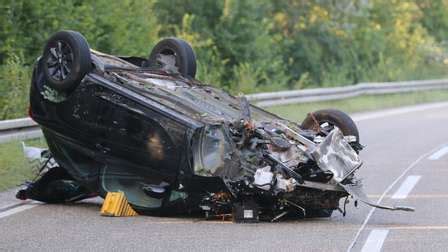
<point x="241" y="45"/>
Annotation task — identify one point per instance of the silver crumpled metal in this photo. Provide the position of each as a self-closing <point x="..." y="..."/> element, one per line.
<point x="335" y="154"/>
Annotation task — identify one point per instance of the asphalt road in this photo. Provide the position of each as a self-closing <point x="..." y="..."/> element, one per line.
<point x="405" y="164"/>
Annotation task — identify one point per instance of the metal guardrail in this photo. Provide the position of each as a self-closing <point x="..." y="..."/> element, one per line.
<point x="25" y="128"/>
<point x="19" y="129"/>
<point x="338" y="93"/>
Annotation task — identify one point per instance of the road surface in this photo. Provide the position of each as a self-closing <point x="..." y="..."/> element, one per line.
<point x="406" y="163"/>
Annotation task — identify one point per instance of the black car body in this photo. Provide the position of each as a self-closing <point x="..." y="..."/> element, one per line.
<point x="171" y="143"/>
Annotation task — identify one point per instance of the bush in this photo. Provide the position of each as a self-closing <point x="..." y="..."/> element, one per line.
<point x="14" y="88"/>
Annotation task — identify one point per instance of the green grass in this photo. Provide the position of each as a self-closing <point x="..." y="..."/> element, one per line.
<point x="14" y="167"/>
<point x="297" y="112"/>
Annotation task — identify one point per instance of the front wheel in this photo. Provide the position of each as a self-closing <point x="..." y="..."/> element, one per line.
<point x="66" y="60"/>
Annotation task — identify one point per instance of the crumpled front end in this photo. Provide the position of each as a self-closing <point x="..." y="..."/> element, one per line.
<point x="274" y="169"/>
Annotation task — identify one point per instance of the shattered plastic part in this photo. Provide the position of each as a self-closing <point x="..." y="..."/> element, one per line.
<point x="53" y="95"/>
<point x="39" y="159"/>
<point x="350" y="139"/>
<point x="285" y="185"/>
<point x="263" y="178"/>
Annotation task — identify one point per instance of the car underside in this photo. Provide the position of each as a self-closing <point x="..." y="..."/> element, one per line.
<point x="171" y="144"/>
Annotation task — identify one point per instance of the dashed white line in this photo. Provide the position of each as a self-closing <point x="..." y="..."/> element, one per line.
<point x="375" y="240"/>
<point x="438" y="154"/>
<point x="372" y="210"/>
<point x="17" y="209"/>
<point x="406" y="187"/>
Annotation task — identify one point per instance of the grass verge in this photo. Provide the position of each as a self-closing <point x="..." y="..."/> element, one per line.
<point x="297" y="112"/>
<point x="14" y="167"/>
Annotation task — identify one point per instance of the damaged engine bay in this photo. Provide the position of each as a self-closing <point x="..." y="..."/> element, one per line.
<point x="174" y="145"/>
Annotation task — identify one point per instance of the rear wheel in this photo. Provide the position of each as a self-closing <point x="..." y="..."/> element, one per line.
<point x="66" y="60"/>
<point x="325" y="120"/>
<point x="174" y="55"/>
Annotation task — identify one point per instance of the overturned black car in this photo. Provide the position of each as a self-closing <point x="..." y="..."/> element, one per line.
<point x="148" y="128"/>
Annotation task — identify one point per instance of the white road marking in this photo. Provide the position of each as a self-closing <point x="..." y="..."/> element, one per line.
<point x="17" y="209"/>
<point x="438" y="154"/>
<point x="375" y="240"/>
<point x="397" y="111"/>
<point x="372" y="210"/>
<point x="7" y="207"/>
<point x="406" y="187"/>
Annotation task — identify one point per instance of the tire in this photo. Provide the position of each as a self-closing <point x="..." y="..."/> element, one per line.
<point x="66" y="60"/>
<point x="334" y="117"/>
<point x="185" y="59"/>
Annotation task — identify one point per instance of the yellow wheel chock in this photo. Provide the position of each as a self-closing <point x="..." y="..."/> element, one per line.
<point x="116" y="205"/>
